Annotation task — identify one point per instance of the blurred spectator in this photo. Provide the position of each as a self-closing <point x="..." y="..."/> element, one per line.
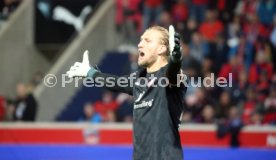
<point x="250" y="105"/>
<point x="10" y="109"/>
<point x="210" y="86"/>
<point x="165" y="19"/>
<point x="7" y="7"/>
<point x="180" y="11"/>
<point x="239" y="87"/>
<point x="129" y="18"/>
<point x="270" y="102"/>
<point x="207" y="66"/>
<point x="233" y="29"/>
<point x="218" y="51"/>
<point x="224" y="105"/>
<point x="256" y="118"/>
<point x="190" y="65"/>
<point x="232" y="67"/>
<point x="90" y="115"/>
<point x="2" y="108"/>
<point x="242" y="49"/>
<point x="186" y="117"/>
<point x="262" y="87"/>
<point x="208" y="115"/>
<point x="266" y="11"/>
<point x="246" y="7"/>
<point x="198" y="9"/>
<point x="25" y="107"/>
<point x="151" y="11"/>
<point x="235" y="126"/>
<point x="270" y="107"/>
<point x="231" y="126"/>
<point x="253" y="29"/>
<point x="125" y="110"/>
<point x="225" y="8"/>
<point x="211" y="27"/>
<point x="187" y="29"/>
<point x="110" y="116"/>
<point x="199" y="49"/>
<point x="261" y="65"/>
<point x="106" y="107"/>
<point x="196" y="106"/>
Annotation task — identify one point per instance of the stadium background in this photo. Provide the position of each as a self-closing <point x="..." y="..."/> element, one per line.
<point x="39" y="38"/>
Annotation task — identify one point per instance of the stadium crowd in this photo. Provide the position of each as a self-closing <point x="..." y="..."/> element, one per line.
<point x="219" y="37"/>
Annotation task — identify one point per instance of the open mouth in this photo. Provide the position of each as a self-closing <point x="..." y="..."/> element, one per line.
<point x="141" y="54"/>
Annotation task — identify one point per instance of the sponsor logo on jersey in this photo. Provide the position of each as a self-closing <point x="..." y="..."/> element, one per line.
<point x="144" y="104"/>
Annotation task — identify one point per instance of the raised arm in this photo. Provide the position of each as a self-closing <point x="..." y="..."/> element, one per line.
<point x="111" y="82"/>
<point x="175" y="59"/>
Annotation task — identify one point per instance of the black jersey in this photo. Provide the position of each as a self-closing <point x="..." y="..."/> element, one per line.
<point x="157" y="111"/>
<point x="156" y="115"/>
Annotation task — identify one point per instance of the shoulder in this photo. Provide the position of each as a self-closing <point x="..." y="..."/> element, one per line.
<point x="139" y="73"/>
<point x="162" y="71"/>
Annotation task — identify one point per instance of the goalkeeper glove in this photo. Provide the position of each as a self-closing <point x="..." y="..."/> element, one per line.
<point x="82" y="69"/>
<point x="175" y="48"/>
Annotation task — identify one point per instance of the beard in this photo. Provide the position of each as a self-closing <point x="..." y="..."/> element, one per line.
<point x="143" y="64"/>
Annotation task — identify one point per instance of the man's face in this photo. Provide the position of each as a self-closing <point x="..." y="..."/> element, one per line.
<point x="21" y="90"/>
<point x="149" y="48"/>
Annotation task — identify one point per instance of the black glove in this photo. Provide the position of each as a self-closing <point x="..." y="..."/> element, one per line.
<point x="175" y="47"/>
<point x="176" y="54"/>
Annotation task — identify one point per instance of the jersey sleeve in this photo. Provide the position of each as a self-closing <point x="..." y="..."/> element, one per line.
<point x="114" y="83"/>
<point x="173" y="71"/>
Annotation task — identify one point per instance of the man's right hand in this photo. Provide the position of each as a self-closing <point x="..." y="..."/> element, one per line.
<point x="80" y="69"/>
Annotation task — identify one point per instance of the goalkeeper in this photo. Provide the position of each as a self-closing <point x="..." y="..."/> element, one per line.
<point x="157" y="108"/>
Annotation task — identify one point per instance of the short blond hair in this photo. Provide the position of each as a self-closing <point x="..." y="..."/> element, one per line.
<point x="165" y="37"/>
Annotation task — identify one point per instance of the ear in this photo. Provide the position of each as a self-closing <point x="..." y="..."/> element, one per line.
<point x="161" y="49"/>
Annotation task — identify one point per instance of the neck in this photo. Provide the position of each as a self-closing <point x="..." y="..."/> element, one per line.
<point x="159" y="63"/>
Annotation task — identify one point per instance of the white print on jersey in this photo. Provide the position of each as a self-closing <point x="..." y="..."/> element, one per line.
<point x="144" y="104"/>
<point x="151" y="82"/>
<point x="140" y="96"/>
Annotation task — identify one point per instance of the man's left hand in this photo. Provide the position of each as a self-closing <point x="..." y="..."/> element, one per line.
<point x="175" y="46"/>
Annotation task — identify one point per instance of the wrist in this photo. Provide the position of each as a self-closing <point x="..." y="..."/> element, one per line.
<point x="91" y="72"/>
